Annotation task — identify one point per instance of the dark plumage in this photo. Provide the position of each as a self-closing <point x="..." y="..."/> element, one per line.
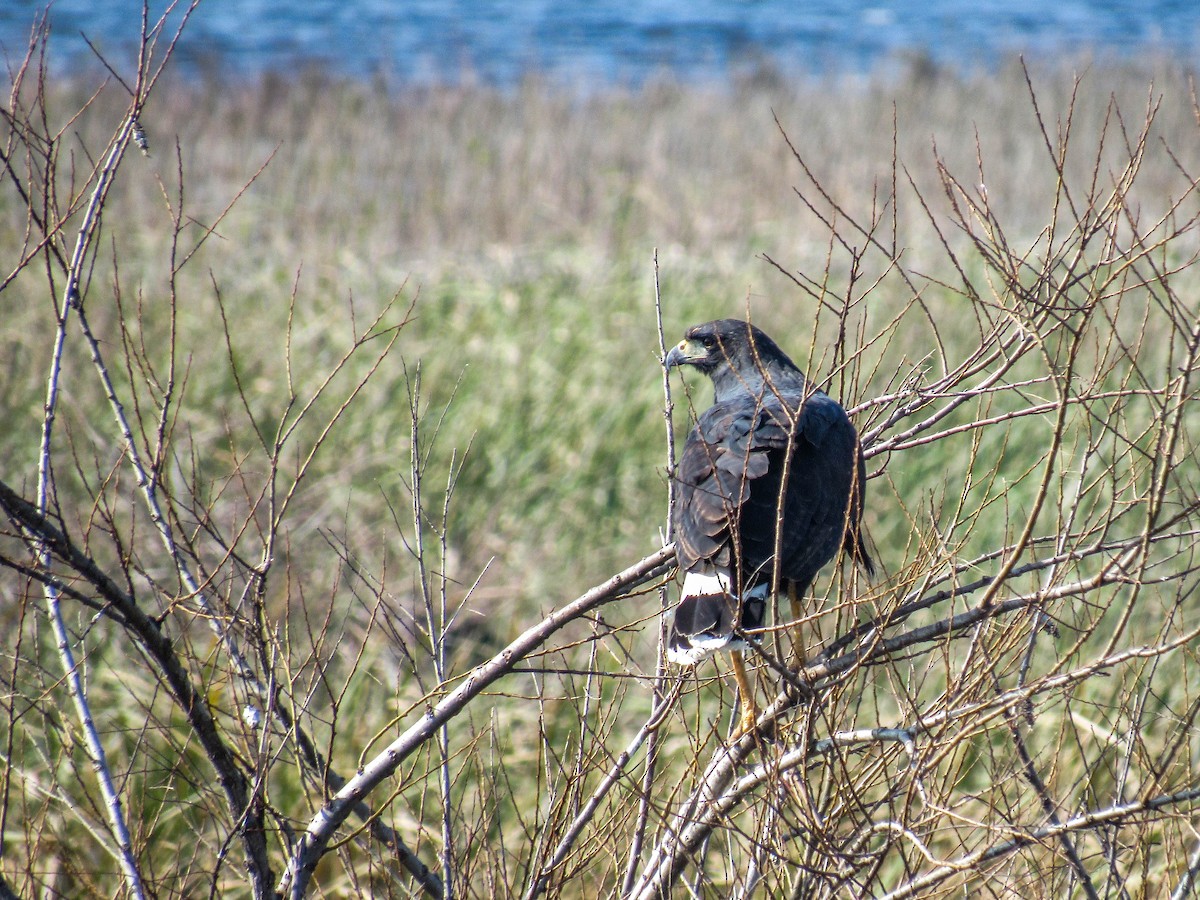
<point x="771" y="471"/>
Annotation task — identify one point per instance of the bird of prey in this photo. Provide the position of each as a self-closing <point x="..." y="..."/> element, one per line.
<point x="769" y="487"/>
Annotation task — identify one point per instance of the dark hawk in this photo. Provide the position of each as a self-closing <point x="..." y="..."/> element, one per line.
<point x="769" y="489"/>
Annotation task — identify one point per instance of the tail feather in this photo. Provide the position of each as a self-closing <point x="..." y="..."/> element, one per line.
<point x="709" y="617"/>
<point x="856" y="547"/>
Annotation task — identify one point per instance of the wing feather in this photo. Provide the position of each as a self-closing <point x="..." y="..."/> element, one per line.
<point x="730" y="474"/>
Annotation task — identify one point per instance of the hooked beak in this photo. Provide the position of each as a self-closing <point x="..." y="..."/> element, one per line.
<point x="681" y="354"/>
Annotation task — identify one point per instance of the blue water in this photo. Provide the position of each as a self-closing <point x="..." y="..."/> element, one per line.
<point x="599" y="41"/>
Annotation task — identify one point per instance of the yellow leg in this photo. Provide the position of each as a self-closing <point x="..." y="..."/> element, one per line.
<point x="797" y="631"/>
<point x="747" y="706"/>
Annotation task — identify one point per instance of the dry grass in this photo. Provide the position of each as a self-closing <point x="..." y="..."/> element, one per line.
<point x="417" y="182"/>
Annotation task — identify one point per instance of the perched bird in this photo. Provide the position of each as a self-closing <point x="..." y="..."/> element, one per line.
<point x="769" y="488"/>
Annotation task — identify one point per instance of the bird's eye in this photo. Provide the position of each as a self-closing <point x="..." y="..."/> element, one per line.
<point x="708" y="342"/>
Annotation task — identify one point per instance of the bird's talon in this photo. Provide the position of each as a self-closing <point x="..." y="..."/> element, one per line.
<point x="748" y="724"/>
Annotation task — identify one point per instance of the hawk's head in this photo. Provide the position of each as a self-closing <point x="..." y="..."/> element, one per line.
<point x="730" y="350"/>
